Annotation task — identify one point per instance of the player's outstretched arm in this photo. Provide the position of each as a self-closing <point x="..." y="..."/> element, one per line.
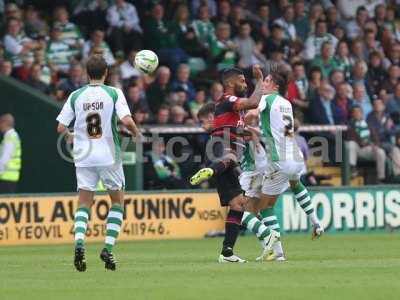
<point x="253" y="101"/>
<point x="128" y="122"/>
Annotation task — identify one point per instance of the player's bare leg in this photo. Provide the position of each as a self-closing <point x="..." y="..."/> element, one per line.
<point x="80" y="226"/>
<point x="114" y="222"/>
<point x="303" y="198"/>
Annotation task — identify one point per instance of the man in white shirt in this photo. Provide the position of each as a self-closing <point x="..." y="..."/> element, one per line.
<point x="96" y="109"/>
<point x="125" y="32"/>
<point x="314" y="42"/>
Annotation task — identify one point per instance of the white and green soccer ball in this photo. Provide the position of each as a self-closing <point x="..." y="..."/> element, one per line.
<point x="146" y="61"/>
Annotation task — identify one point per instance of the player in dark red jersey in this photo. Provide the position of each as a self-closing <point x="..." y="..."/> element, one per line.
<point x="227" y="140"/>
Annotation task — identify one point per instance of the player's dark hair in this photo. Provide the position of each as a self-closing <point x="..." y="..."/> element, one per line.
<point x="206" y="109"/>
<point x="96" y="67"/>
<point x="280" y="77"/>
<point x="229" y="73"/>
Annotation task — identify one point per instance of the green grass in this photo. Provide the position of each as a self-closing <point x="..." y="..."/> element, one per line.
<point x="335" y="267"/>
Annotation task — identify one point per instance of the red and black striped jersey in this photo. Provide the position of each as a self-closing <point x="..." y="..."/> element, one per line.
<point x="227" y="116"/>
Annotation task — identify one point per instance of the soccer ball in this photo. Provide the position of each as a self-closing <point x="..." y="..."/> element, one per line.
<point x="146" y="61"/>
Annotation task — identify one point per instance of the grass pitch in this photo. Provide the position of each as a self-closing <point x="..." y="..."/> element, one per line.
<point x="335" y="267"/>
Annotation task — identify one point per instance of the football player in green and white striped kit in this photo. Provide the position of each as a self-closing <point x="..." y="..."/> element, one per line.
<point x="285" y="160"/>
<point x="96" y="109"/>
<point x="253" y="166"/>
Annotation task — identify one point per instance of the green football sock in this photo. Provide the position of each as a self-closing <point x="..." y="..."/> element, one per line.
<point x="269" y="219"/>
<point x="253" y="224"/>
<point x="114" y="222"/>
<point x="80" y="225"/>
<point x="303" y="198"/>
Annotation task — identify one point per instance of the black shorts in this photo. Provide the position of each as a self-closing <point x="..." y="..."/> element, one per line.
<point x="227" y="183"/>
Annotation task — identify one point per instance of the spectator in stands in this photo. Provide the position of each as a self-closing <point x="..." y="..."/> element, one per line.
<point x="128" y="69"/>
<point x="157" y="92"/>
<point x="114" y="77"/>
<point x="393" y="105"/>
<point x="301" y="20"/>
<point x="167" y="171"/>
<point x="182" y="81"/>
<point x="223" y="13"/>
<point x="355" y="27"/>
<point x="216" y="91"/>
<point x="357" y="50"/>
<point x="91" y="14"/>
<point x="325" y="61"/>
<point x="370" y="42"/>
<point x="34" y="26"/>
<point x="16" y="44"/>
<point x="314" y="42"/>
<point x="137" y="101"/>
<point x="316" y="13"/>
<point x="203" y="27"/>
<point x="359" y="73"/>
<point x="276" y="42"/>
<point x="162" y="117"/>
<point x="23" y="71"/>
<point x="286" y="22"/>
<point x="5" y="67"/>
<point x="199" y="100"/>
<point x="97" y="41"/>
<point x="249" y="52"/>
<point x="333" y="19"/>
<point x="342" y="58"/>
<point x="160" y="38"/>
<point x="73" y="82"/>
<point x="125" y="32"/>
<point x="261" y="21"/>
<point x="70" y="33"/>
<point x="392" y="80"/>
<point x="59" y="54"/>
<point x="336" y="78"/>
<point x="395" y="156"/>
<point x="223" y="49"/>
<point x="342" y="103"/>
<point x="381" y="125"/>
<point x="178" y="115"/>
<point x="360" y="144"/>
<point x="46" y="72"/>
<point x="35" y="79"/>
<point x="360" y="98"/>
<point x="315" y="79"/>
<point x="376" y="73"/>
<point x="297" y="90"/>
<point x="322" y="109"/>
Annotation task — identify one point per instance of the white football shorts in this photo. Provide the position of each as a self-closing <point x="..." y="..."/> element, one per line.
<point x="112" y="177"/>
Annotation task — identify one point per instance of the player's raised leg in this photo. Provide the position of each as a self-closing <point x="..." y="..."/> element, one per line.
<point x="80" y="227"/>
<point x="304" y="200"/>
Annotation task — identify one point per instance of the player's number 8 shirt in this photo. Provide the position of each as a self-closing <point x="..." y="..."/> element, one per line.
<point x="96" y="109"/>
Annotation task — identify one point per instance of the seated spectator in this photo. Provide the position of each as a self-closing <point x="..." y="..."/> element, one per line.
<point x="370" y="43"/>
<point x="137" y="101"/>
<point x="186" y="35"/>
<point x="355" y="27"/>
<point x="97" y="41"/>
<point x="314" y="80"/>
<point x="46" y="72"/>
<point x="223" y="49"/>
<point x="359" y="73"/>
<point x="128" y="69"/>
<point x="91" y="14"/>
<point x="390" y="21"/>
<point x="59" y="53"/>
<point x="178" y="115"/>
<point x="261" y="20"/>
<point x="314" y="42"/>
<point x="22" y="72"/>
<point x="248" y="50"/>
<point x="343" y="103"/>
<point x="73" y="82"/>
<point x="197" y="103"/>
<point x="286" y="22"/>
<point x="360" y="145"/>
<point x="325" y="61"/>
<point x="381" y="125"/>
<point x="392" y="79"/>
<point x="162" y="116"/>
<point x="376" y="73"/>
<point x="35" y="81"/>
<point x="301" y="21"/>
<point x="5" y="67"/>
<point x="125" y="33"/>
<point x="322" y="109"/>
<point x="342" y="58"/>
<point x="393" y="105"/>
<point x="16" y="44"/>
<point x="203" y="27"/>
<point x="223" y="13"/>
<point x="336" y="78"/>
<point x="34" y="26"/>
<point x="216" y="91"/>
<point x="276" y="42"/>
<point x="297" y="90"/>
<point x="333" y="19"/>
<point x="361" y="99"/>
<point x="157" y="92"/>
<point x="182" y="81"/>
<point x="395" y="156"/>
<point x="167" y="171"/>
<point x="114" y="77"/>
<point x="70" y="33"/>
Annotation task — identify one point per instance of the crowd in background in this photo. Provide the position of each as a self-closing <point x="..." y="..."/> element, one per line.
<point x="343" y="57"/>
